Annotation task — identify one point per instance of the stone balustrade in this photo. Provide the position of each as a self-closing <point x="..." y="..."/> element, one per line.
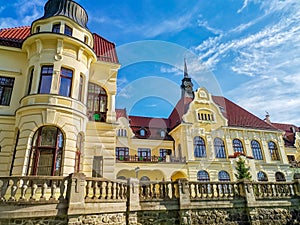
<point x="103" y="189"/>
<point x="33" y="189"/>
<point x="77" y="199"/>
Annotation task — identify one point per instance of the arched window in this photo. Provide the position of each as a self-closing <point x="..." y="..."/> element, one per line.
<point x="237" y="146"/>
<point x="142" y="132"/>
<point x="97" y="102"/>
<point x="279" y="176"/>
<point x="199" y="147"/>
<point x="79" y="148"/>
<point x="202" y="175"/>
<point x="46" y="152"/>
<point x="261" y="176"/>
<point x="223" y="176"/>
<point x="256" y="150"/>
<point x="273" y="150"/>
<point x="219" y="148"/>
<point x="145" y="178"/>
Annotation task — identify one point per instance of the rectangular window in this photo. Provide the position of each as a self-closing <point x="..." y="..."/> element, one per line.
<point x="30" y="81"/>
<point x="6" y="88"/>
<point x="68" y="30"/>
<point x="122" y="153"/>
<point x="144" y="154"/>
<point x="46" y="80"/>
<point x="97" y="166"/>
<point x="66" y="76"/>
<point x="56" y="28"/>
<point x="80" y="91"/>
<point x="291" y="158"/>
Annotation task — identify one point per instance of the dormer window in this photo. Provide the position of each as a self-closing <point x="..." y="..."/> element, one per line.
<point x="122" y="133"/>
<point x="68" y="30"/>
<point x="56" y="28"/>
<point x="142" y="132"/>
<point x="162" y="133"/>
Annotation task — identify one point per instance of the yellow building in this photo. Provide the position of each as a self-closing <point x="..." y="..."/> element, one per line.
<point x="58" y="116"/>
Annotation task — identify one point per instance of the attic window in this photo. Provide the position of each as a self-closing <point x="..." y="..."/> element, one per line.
<point x="142" y="132"/>
<point x="56" y="28"/>
<point x="68" y="30"/>
<point x="162" y="133"/>
<point x="205" y="116"/>
<point x="37" y="29"/>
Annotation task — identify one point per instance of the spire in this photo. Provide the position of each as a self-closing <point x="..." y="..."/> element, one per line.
<point x="186" y="84"/>
<point x="186" y="75"/>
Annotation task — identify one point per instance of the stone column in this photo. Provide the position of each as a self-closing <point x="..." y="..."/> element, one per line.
<point x="133" y="201"/>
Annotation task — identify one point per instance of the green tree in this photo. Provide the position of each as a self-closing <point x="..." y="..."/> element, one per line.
<point x="242" y="170"/>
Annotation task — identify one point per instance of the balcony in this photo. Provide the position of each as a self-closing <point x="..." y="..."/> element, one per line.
<point x="135" y="158"/>
<point x="150" y="159"/>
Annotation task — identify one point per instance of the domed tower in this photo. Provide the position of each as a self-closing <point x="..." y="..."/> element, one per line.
<point x="53" y="116"/>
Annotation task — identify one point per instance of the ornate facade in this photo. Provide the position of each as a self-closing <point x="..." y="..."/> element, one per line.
<point x="58" y="116"/>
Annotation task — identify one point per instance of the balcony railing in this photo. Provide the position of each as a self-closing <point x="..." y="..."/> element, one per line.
<point x="135" y="158"/>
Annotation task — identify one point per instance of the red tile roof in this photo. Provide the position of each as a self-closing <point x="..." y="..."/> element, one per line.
<point x="14" y="37"/>
<point x="289" y="129"/>
<point x="152" y="126"/>
<point x="105" y="50"/>
<point x="239" y="117"/>
<point x="121" y="113"/>
<point x="180" y="109"/>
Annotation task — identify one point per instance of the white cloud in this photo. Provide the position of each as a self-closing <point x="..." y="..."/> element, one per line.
<point x="243" y="7"/>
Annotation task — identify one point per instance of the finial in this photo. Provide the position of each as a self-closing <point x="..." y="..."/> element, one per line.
<point x="185" y="69"/>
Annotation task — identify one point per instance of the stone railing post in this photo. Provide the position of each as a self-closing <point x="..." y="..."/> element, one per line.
<point x="184" y="202"/>
<point x="297" y="187"/>
<point x="133" y="201"/>
<point x="75" y="195"/>
<point x="246" y="190"/>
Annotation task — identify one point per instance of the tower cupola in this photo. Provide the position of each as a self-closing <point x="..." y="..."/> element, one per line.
<point x="67" y="8"/>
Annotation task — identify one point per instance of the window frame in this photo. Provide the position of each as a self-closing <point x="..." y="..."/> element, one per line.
<point x="220" y="151"/>
<point x="56" y="28"/>
<point x="97" y="170"/>
<point x="223" y="176"/>
<point x="43" y="78"/>
<point x="199" y="147"/>
<point x="203" y="176"/>
<point x="68" y="30"/>
<point x="273" y="150"/>
<point x="41" y="147"/>
<point x="262" y="176"/>
<point x="144" y="154"/>
<point x="237" y="146"/>
<point x="124" y="153"/>
<point x="6" y="90"/>
<point x="256" y="150"/>
<point x="66" y="75"/>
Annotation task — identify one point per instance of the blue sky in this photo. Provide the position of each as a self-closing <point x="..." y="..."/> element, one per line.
<point x="246" y="50"/>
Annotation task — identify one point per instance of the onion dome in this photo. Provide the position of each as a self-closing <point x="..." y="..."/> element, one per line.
<point x="66" y="8"/>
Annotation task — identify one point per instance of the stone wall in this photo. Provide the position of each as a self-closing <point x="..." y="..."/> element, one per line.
<point x="36" y="221"/>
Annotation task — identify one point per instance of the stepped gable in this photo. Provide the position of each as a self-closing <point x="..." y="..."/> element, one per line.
<point x="14" y="37"/>
<point x="239" y="117"/>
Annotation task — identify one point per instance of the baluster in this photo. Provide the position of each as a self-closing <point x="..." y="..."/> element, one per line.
<point x="173" y="193"/>
<point x="44" y="189"/>
<point x="154" y="192"/>
<point x="53" y="191"/>
<point x="113" y="190"/>
<point x="33" y="192"/>
<point x="291" y="187"/>
<point x="117" y="191"/>
<point x="124" y="195"/>
<point x="13" y="190"/>
<point x="23" y="190"/>
<point x="107" y="191"/>
<point x="4" y="188"/>
<point x="62" y="190"/>
<point x="197" y="188"/>
<point x="94" y="187"/>
<point x="168" y="190"/>
<point x="103" y="189"/>
<point x="87" y="189"/>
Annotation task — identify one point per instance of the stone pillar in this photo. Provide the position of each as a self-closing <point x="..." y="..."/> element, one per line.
<point x="76" y="194"/>
<point x="133" y="201"/>
<point x="297" y="187"/>
<point x="184" y="202"/>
